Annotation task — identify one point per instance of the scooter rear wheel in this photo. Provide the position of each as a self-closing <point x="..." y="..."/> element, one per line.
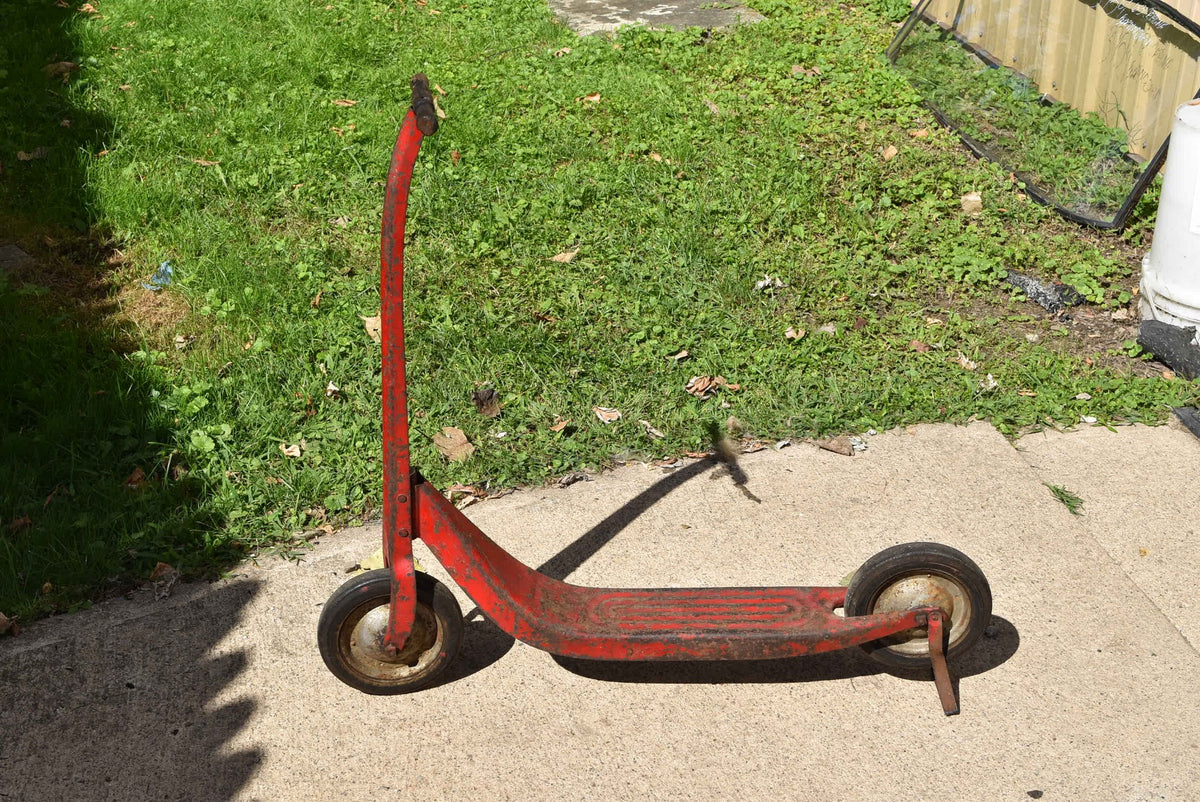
<point x="921" y="575"/>
<point x="352" y="624"/>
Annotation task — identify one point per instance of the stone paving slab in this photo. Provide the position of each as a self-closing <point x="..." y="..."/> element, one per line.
<point x="588" y="17"/>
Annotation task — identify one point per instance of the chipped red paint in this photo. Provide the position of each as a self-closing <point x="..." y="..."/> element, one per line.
<point x="397" y="470"/>
<point x="565" y="619"/>
<point x="937" y="656"/>
<point x="637" y="623"/>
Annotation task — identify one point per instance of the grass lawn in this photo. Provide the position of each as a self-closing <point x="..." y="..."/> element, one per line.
<point x="245" y="142"/>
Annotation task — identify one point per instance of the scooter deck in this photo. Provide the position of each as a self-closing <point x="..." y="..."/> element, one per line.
<point x="639" y="623"/>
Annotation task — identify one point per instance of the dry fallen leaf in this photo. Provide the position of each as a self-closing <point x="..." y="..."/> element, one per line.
<point x="1141" y="553"/>
<point x="838" y="445"/>
<point x="8" y="626"/>
<point x="88" y="8"/>
<point x="650" y="430"/>
<point x="607" y="414"/>
<point x="136" y="480"/>
<point x="564" y="257"/>
<point x="920" y="133"/>
<point x="61" y="69"/>
<point x="453" y="444"/>
<point x="890" y="152"/>
<point x="1027" y="393"/>
<point x="798" y="70"/>
<point x="36" y="153"/>
<point x="562" y="51"/>
<point x="332" y="390"/>
<point x="372" y="325"/>
<point x="712" y="106"/>
<point x="487" y="402"/>
<point x="794" y="333"/>
<point x="972" y="204"/>
<point x="437" y="109"/>
<point x="124" y="87"/>
<point x="964" y="362"/>
<point x="292" y="451"/>
<point x="47" y="588"/>
<point x="655" y="156"/>
<point x="680" y="356"/>
<point x="19" y="524"/>
<point x="705" y="386"/>
<point x="919" y="346"/>
<point x="467" y="495"/>
<point x="205" y="162"/>
<point x="164" y="577"/>
<point x="558" y="427"/>
<point x="1169" y="375"/>
<point x="593" y="97"/>
<point x="344" y="103"/>
<point x="934" y="321"/>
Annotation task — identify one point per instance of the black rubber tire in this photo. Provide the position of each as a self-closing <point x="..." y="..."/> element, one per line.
<point x="952" y="569"/>
<point x="430" y="650"/>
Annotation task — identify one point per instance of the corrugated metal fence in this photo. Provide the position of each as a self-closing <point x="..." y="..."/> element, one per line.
<point x="1126" y="62"/>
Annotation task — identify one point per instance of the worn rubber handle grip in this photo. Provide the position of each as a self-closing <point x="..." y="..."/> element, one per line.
<point x="422" y="105"/>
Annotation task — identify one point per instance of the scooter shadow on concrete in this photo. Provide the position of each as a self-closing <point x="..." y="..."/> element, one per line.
<point x="484" y="643"/>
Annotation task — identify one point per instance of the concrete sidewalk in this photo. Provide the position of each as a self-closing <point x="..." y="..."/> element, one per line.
<point x="1086" y="688"/>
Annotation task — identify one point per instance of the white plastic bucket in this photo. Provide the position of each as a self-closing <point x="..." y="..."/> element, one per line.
<point x="1171" y="270"/>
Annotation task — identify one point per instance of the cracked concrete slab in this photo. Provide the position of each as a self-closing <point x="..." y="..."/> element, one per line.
<point x="1083" y="690"/>
<point x="1141" y="508"/>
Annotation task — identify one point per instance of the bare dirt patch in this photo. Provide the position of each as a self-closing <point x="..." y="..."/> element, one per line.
<point x="89" y="277"/>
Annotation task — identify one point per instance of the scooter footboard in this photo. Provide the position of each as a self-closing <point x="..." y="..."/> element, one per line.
<point x="636" y="623"/>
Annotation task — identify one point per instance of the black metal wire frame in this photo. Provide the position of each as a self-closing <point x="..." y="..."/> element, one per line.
<point x="1147" y="175"/>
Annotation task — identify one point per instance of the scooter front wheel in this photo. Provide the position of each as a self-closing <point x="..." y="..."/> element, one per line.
<point x="352" y="625"/>
<point x="921" y="575"/>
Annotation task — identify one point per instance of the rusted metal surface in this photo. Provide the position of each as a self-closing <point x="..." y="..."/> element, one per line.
<point x="397" y="470"/>
<point x="369" y="653"/>
<point x="565" y="619"/>
<point x="937" y="655"/>
<point x="422" y="105"/>
<point x="638" y="623"/>
<point x="926" y="590"/>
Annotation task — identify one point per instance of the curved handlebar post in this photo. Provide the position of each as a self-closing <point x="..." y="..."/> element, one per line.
<point x="398" y="517"/>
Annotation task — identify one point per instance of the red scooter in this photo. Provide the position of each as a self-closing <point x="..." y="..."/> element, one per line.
<point x="396" y="629"/>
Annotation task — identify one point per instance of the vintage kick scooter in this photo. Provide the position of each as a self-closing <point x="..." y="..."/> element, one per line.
<point x="395" y="629"/>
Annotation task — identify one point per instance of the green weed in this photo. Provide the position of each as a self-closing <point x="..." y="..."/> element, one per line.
<point x="1069" y="500"/>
